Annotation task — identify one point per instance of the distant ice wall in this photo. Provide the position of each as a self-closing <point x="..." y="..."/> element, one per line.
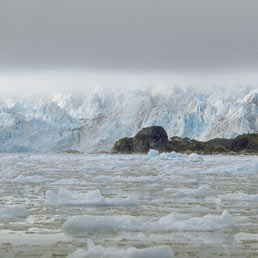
<point x="93" y="121"/>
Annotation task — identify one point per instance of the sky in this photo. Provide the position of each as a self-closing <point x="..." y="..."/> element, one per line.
<point x="56" y="39"/>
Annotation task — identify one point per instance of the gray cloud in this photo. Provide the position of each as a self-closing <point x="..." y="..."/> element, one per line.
<point x="176" y="35"/>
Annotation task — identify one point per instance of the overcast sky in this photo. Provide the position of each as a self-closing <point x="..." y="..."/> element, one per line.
<point x="129" y="34"/>
<point x="174" y="36"/>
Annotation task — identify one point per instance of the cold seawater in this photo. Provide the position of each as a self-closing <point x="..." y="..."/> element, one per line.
<point x="128" y="205"/>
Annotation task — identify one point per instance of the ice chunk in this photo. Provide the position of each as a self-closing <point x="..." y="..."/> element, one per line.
<point x="65" y="197"/>
<point x="240" y="197"/>
<point x="172" y="155"/>
<point x="100" y="251"/>
<point x="29" y="179"/>
<point x="153" y="153"/>
<point x="68" y="181"/>
<point x="202" y="190"/>
<point x="114" y="223"/>
<point x="205" y="223"/>
<point x="151" y="252"/>
<point x="195" y="157"/>
<point x="87" y="223"/>
<point x="51" y="197"/>
<point x="13" y="211"/>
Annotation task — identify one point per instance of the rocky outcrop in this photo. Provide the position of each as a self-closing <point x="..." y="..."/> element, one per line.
<point x="155" y="137"/>
<point x="247" y="143"/>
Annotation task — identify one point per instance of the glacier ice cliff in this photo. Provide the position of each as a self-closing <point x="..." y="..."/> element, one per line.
<point x="94" y="120"/>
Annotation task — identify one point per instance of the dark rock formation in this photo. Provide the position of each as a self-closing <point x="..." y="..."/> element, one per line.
<point x="71" y="151"/>
<point x="179" y="144"/>
<point x="155" y="137"/>
<point x="246" y="143"/>
<point x="124" y="145"/>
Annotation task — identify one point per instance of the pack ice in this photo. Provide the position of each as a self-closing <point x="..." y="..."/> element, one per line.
<point x="106" y="206"/>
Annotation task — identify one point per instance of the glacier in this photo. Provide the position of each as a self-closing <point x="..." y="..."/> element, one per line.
<point x="93" y="120"/>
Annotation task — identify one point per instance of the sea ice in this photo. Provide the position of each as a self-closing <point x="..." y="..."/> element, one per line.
<point x="69" y="181"/>
<point x="205" y="223"/>
<point x="111" y="252"/>
<point x="180" y="204"/>
<point x="202" y="190"/>
<point x="29" y="179"/>
<point x="240" y="197"/>
<point x="195" y="157"/>
<point x="65" y="197"/>
<point x="172" y="155"/>
<point x="12" y="211"/>
<point x="87" y="223"/>
<point x="153" y="153"/>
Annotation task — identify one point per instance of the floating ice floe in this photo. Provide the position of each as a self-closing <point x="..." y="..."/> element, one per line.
<point x="202" y="190"/>
<point x="131" y="179"/>
<point x="240" y="197"/>
<point x="13" y="211"/>
<point x="29" y="179"/>
<point x="153" y="153"/>
<point x="171" y="222"/>
<point x="7" y="173"/>
<point x="195" y="158"/>
<point x="88" y="223"/>
<point x="65" y="197"/>
<point x="166" y="155"/>
<point x="229" y="170"/>
<point x="69" y="181"/>
<point x="205" y="223"/>
<point x="100" y="251"/>
<point x="172" y="155"/>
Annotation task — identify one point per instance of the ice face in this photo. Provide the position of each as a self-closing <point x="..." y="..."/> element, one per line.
<point x="107" y="206"/>
<point x="93" y="121"/>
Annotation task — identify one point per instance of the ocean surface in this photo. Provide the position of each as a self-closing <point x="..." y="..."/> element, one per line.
<point x="168" y="205"/>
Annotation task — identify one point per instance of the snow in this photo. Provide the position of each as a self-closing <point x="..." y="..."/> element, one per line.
<point x="94" y="120"/>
